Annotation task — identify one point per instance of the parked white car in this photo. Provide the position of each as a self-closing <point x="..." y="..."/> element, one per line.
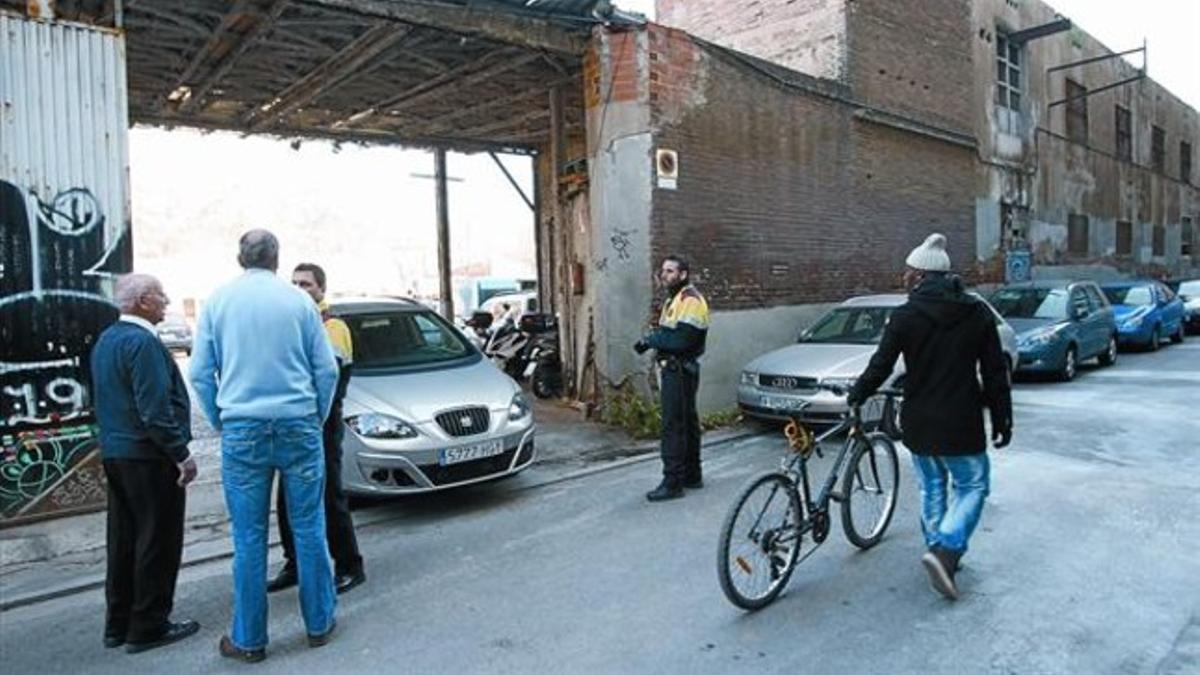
<point x="425" y="410"/>
<point x="782" y="384"/>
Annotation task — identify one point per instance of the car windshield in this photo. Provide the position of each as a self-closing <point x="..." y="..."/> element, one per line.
<point x="1130" y="295"/>
<point x="1030" y="303"/>
<point x="403" y="339"/>
<point x="1190" y="289"/>
<point x="850" y="325"/>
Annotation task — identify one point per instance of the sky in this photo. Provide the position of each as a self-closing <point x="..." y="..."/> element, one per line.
<point x="1171" y="28"/>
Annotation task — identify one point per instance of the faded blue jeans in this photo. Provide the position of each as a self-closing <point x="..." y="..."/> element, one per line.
<point x="949" y="524"/>
<point x="251" y="452"/>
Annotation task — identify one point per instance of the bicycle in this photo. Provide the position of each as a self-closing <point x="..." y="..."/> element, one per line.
<point x="760" y="547"/>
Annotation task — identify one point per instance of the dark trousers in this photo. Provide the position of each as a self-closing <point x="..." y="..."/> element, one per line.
<point x="145" y="544"/>
<point x="681" y="424"/>
<point x="339" y="525"/>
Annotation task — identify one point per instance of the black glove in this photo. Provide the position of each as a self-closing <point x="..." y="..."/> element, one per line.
<point x="853" y="400"/>
<point x="1001" y="435"/>
<point x="641" y="347"/>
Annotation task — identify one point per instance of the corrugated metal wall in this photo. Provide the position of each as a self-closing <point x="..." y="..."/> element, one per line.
<point x="64" y="231"/>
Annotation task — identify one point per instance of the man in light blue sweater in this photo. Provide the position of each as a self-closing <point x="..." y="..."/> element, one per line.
<point x="264" y="374"/>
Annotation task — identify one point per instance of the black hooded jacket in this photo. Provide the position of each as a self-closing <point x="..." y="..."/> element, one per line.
<point x="949" y="342"/>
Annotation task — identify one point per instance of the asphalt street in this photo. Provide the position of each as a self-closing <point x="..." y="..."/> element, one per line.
<point x="1085" y="562"/>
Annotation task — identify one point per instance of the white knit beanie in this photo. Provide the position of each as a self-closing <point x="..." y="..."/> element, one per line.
<point x="930" y="256"/>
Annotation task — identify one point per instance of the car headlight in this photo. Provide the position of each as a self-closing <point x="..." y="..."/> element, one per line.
<point x="749" y="378"/>
<point x="1134" y="321"/>
<point x="1039" y="337"/>
<point x="839" y="382"/>
<point x="377" y="425"/>
<point x="519" y="408"/>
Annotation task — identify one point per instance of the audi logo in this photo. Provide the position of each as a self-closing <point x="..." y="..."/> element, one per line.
<point x="785" y="382"/>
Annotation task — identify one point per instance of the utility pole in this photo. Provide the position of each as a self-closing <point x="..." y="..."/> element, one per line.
<point x="443" y="229"/>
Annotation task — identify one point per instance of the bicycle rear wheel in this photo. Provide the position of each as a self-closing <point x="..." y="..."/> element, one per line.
<point x="869" y="490"/>
<point x="760" y="541"/>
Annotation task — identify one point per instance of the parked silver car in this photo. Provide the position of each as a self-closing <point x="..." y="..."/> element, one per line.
<point x="424" y="410"/>
<point x="835" y="351"/>
<point x="175" y="333"/>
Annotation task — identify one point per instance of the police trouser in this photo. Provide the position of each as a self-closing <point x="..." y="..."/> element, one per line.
<point x="681" y="424"/>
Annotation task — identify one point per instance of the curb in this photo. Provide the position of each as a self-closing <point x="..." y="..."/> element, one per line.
<point x="95" y="582"/>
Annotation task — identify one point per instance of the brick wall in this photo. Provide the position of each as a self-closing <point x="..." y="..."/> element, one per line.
<point x="914" y="58"/>
<point x="804" y="35"/>
<point x="783" y="196"/>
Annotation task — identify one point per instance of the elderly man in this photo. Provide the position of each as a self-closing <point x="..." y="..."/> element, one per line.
<point x="265" y="375"/>
<point x="144" y="415"/>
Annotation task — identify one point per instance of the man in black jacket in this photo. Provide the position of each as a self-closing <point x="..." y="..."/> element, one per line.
<point x="678" y="342"/>
<point x="144" y="415"/>
<point x="949" y="342"/>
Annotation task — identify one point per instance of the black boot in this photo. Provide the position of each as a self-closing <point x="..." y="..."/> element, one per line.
<point x="286" y="578"/>
<point x="941" y="565"/>
<point x="665" y="490"/>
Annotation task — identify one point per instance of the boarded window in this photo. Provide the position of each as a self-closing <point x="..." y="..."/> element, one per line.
<point x="1124" y="237"/>
<point x="1185" y="162"/>
<point x="1158" y="149"/>
<point x="1077" y="234"/>
<point x="1160" y="241"/>
<point x="1124" y="135"/>
<point x="1187" y="234"/>
<point x="1077" y="112"/>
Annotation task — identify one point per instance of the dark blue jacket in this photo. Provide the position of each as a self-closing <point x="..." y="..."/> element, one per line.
<point x="141" y="402"/>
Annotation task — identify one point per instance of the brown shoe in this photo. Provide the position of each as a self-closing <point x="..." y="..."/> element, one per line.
<point x="232" y="651"/>
<point x="322" y="639"/>
<point x="941" y="565"/>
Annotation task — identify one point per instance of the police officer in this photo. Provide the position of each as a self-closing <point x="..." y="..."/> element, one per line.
<point x="678" y="343"/>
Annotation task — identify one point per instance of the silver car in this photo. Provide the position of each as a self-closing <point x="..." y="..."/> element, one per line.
<point x="783" y="383"/>
<point x="424" y="410"/>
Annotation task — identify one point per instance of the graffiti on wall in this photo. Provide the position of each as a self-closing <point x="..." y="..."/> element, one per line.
<point x="55" y="262"/>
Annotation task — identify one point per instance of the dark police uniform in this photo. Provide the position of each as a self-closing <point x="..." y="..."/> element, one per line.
<point x="678" y="343"/>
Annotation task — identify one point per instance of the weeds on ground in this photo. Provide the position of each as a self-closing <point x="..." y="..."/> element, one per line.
<point x="642" y="418"/>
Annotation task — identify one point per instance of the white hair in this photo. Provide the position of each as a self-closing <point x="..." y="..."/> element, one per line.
<point x="130" y="288"/>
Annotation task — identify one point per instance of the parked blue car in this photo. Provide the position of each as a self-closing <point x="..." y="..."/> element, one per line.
<point x="1147" y="312"/>
<point x="1059" y="324"/>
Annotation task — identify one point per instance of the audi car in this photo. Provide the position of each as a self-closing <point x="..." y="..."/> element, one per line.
<point x="783" y="384"/>
<point x="424" y="409"/>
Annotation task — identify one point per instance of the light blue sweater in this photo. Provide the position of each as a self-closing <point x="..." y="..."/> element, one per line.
<point x="261" y="353"/>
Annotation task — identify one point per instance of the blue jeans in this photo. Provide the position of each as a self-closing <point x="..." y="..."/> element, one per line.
<point x="949" y="526"/>
<point x="251" y="452"/>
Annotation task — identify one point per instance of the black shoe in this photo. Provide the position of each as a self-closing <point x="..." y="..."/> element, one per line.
<point x="286" y="578"/>
<point x="174" y="633"/>
<point x="345" y="582"/>
<point x="664" y="491"/>
<point x="324" y="638"/>
<point x="694" y="483"/>
<point x="941" y="565"/>
<point x="232" y="651"/>
<point x="113" y="641"/>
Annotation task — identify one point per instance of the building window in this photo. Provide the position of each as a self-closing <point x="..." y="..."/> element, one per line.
<point x="1158" y="149"/>
<point x="1124" y="237"/>
<point x="1077" y="234"/>
<point x="1160" y="241"/>
<point x="1008" y="73"/>
<point x="1186" y="237"/>
<point x="1185" y="161"/>
<point x="1077" y="113"/>
<point x="1124" y="135"/>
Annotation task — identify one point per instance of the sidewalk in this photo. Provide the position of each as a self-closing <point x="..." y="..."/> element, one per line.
<point x="42" y="561"/>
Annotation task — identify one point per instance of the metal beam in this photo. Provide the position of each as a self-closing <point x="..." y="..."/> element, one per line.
<point x="335" y="70"/>
<point x="494" y="63"/>
<point x="1114" y="85"/>
<point x="512" y="181"/>
<point x="502" y="25"/>
<point x="1094" y="59"/>
<point x="218" y="48"/>
<point x="443" y="231"/>
<point x="1022" y="36"/>
<point x="443" y="122"/>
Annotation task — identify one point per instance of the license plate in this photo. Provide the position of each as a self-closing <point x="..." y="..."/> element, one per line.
<point x="780" y="403"/>
<point x="467" y="453"/>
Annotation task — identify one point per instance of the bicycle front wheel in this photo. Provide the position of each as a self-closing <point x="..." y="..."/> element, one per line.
<point x="760" y="541"/>
<point x="869" y="490"/>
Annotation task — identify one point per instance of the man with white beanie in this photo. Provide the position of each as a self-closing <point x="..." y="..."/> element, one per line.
<point x="948" y="339"/>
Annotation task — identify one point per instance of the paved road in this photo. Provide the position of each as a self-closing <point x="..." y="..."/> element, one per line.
<point x="1085" y="562"/>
